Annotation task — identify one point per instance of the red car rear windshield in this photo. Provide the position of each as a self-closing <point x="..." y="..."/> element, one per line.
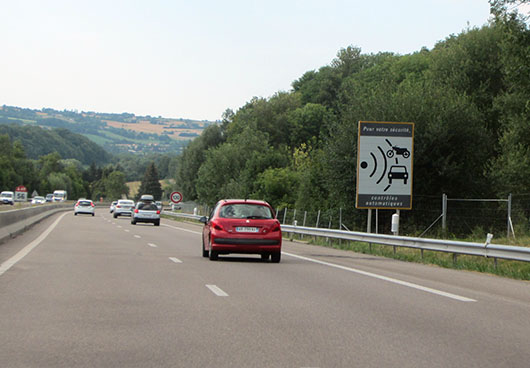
<point x="244" y="210"/>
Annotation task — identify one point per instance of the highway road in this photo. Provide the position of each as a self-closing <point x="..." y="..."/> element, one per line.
<point x="82" y="291"/>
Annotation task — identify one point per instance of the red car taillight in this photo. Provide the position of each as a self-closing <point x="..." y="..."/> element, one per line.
<point x="216" y="226"/>
<point x="276" y="227"/>
<point x="158" y="212"/>
<point x="92" y="204"/>
<point x="136" y="211"/>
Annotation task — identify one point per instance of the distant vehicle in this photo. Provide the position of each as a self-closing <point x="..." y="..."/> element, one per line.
<point x="398" y="172"/>
<point x="242" y="226"/>
<point x="124" y="207"/>
<point x="113" y="206"/>
<point x="7" y="197"/>
<point x="38" y="200"/>
<point x="49" y="197"/>
<point x="60" y="196"/>
<point x="146" y="211"/>
<point x="84" y="206"/>
<point x="159" y="205"/>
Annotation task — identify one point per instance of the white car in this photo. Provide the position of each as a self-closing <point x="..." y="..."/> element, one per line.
<point x="7" y="198"/>
<point x="113" y="206"/>
<point x="38" y="200"/>
<point x="146" y="211"/>
<point x="124" y="207"/>
<point x="84" y="206"/>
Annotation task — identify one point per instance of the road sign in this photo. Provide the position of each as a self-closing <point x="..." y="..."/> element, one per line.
<point x="21" y="194"/>
<point x="176" y="197"/>
<point x="384" y="165"/>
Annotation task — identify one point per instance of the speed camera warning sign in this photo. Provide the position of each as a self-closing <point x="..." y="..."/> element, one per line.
<point x="176" y="197"/>
<point x="384" y="165"/>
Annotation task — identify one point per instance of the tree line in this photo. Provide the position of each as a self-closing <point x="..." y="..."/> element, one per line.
<point x="468" y="97"/>
<point x="50" y="172"/>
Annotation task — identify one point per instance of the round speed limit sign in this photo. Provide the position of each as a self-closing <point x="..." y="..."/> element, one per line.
<point x="176" y="197"/>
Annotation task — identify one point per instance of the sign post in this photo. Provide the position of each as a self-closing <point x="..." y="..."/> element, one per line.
<point x="384" y="165"/>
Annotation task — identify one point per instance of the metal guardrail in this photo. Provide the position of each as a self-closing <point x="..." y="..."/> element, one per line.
<point x="183" y="215"/>
<point x="448" y="246"/>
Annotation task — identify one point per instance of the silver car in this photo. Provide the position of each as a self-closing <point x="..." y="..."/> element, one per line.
<point x="146" y="211"/>
<point x="38" y="200"/>
<point x="124" y="207"/>
<point x="84" y="206"/>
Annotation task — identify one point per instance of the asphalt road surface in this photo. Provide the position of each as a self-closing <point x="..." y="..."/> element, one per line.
<point x="82" y="291"/>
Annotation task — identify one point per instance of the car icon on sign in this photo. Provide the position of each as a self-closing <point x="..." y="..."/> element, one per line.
<point x="398" y="172"/>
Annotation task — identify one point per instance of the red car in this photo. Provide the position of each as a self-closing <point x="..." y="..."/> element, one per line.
<point x="242" y="226"/>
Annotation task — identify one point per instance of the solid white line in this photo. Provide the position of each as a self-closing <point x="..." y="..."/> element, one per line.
<point x="28" y="248"/>
<point x="152" y="245"/>
<point x="214" y="289"/>
<point x="176" y="260"/>
<point x="182" y="229"/>
<point x="384" y="278"/>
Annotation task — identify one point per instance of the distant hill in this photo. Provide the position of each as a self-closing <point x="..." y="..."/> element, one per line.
<point x="115" y="132"/>
<point x="39" y="141"/>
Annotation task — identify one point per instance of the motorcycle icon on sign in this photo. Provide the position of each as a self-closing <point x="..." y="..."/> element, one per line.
<point x="398" y="151"/>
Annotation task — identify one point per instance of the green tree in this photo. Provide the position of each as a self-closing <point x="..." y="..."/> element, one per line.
<point x="150" y="183"/>
<point x="510" y="169"/>
<point x="115" y="185"/>
<point x="193" y="157"/>
<point x="278" y="186"/>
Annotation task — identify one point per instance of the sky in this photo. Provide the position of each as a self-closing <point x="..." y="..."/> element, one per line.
<point x="196" y="59"/>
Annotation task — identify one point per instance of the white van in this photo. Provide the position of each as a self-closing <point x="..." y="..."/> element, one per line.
<point x="60" y="196"/>
<point x="7" y="198"/>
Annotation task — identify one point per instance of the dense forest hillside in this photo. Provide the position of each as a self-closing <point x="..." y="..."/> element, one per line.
<point x="115" y="132"/>
<point x="468" y="97"/>
<point x="38" y="142"/>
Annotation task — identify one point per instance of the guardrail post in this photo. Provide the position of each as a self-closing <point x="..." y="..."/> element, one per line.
<point x="444" y="213"/>
<point x="329" y="227"/>
<point x="509" y="215"/>
<point x="303" y="224"/>
<point x="318" y="219"/>
<point x="340" y="224"/>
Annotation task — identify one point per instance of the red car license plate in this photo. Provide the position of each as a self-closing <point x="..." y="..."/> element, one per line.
<point x="242" y="229"/>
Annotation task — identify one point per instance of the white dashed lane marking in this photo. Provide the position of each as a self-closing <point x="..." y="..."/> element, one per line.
<point x="217" y="291"/>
